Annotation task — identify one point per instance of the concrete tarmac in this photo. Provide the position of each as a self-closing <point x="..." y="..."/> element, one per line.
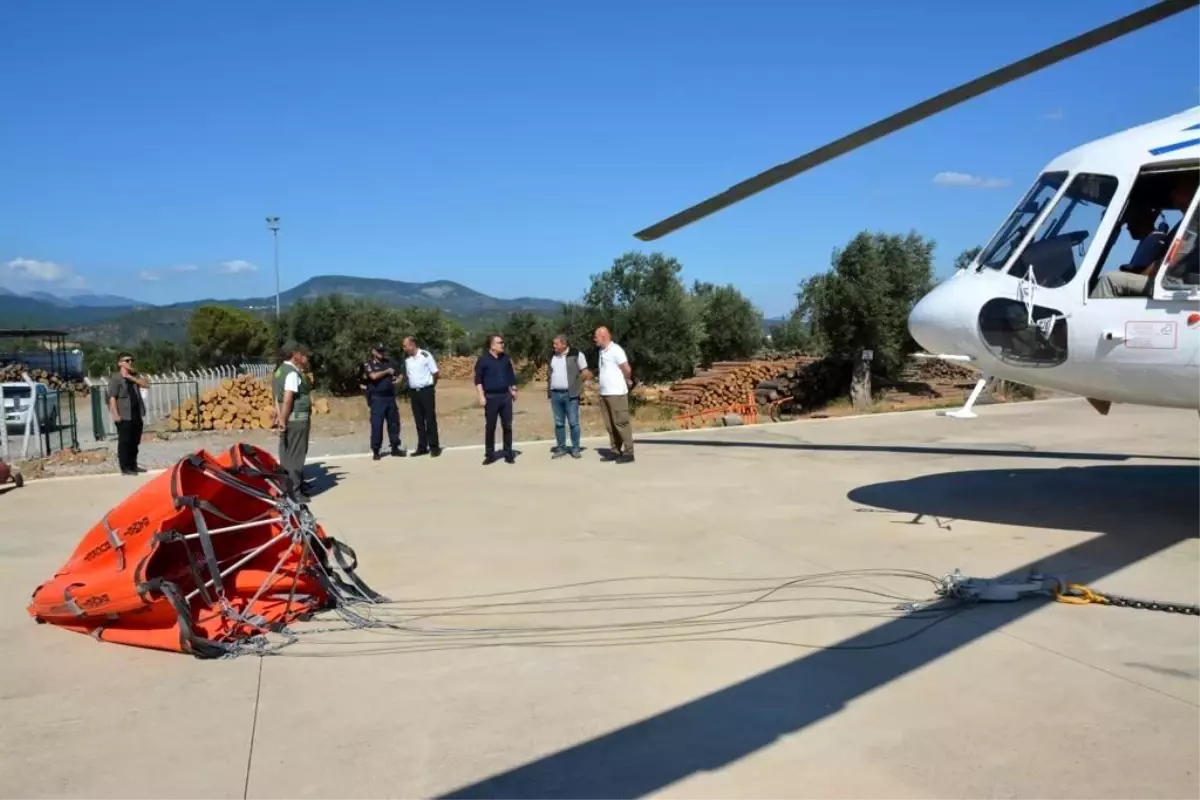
<point x="672" y="627"/>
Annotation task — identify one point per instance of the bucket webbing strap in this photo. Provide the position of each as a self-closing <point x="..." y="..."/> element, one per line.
<point x="117" y="543"/>
<point x="210" y="555"/>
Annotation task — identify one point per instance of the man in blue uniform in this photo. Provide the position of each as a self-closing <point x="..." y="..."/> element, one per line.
<point x="496" y="383"/>
<point x="381" y="398"/>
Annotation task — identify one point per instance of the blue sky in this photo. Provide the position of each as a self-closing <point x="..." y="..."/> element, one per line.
<point x="516" y="147"/>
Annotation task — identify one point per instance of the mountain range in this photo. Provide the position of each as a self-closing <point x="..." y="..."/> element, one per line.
<point x="77" y="301"/>
<point x="116" y="320"/>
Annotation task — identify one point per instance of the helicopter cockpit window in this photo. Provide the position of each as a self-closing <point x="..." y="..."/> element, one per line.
<point x="1012" y="233"/>
<point x="1138" y="246"/>
<point x="1061" y="243"/>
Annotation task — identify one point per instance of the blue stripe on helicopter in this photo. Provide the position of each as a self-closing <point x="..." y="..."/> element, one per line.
<point x="1195" y="127"/>
<point x="1167" y="148"/>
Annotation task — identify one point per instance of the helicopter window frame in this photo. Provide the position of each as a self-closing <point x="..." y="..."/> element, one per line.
<point x="1015" y="216"/>
<point x="1058" y="213"/>
<point x="1118" y="227"/>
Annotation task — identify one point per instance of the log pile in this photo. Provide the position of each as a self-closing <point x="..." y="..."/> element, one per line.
<point x="726" y="383"/>
<point x="239" y="404"/>
<point x="936" y="371"/>
<point x="814" y="383"/>
<point x="811" y="382"/>
<point x="456" y="367"/>
<point x="12" y="373"/>
<point x="452" y="368"/>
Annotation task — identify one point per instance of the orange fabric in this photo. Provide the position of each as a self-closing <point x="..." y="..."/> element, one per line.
<point x="135" y="594"/>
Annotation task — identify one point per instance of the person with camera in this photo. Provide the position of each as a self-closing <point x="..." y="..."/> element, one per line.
<point x="128" y="411"/>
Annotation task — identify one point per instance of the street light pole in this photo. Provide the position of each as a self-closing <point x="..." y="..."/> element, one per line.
<point x="273" y="225"/>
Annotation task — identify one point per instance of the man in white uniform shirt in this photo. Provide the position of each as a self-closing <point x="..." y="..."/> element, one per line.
<point x="567" y="369"/>
<point x="421" y="372"/>
<point x="615" y="378"/>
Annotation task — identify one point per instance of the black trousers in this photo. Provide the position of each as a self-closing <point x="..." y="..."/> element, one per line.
<point x="497" y="405"/>
<point x="384" y="409"/>
<point x="424" y="410"/>
<point x="129" y="436"/>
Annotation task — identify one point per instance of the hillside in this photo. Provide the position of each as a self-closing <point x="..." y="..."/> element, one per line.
<point x="86" y="317"/>
<point x="17" y="311"/>
<point x="453" y="298"/>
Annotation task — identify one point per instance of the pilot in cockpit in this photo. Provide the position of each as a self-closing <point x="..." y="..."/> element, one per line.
<point x="1136" y="278"/>
<point x="1133" y="279"/>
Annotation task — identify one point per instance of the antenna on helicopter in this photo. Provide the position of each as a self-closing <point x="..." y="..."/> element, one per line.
<point x="927" y="108"/>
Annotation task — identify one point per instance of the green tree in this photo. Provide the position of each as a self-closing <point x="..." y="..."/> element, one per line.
<point x="863" y="302"/>
<point x="432" y="328"/>
<point x="156" y="356"/>
<point x="793" y="334"/>
<point x="644" y="303"/>
<point x="731" y="326"/>
<point x="339" y="334"/>
<point x="965" y="258"/>
<point x="225" y="335"/>
<point x="578" y="322"/>
<point x="98" y="359"/>
<point x="527" y="337"/>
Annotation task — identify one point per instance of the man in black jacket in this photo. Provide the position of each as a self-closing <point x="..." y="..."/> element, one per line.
<point x="496" y="383"/>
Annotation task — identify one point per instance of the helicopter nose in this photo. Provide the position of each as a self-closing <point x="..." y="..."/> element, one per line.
<point x="934" y="320"/>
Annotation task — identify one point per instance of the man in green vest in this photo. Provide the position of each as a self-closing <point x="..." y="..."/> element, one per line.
<point x="294" y="399"/>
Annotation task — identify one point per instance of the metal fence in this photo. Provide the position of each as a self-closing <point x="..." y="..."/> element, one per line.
<point x="37" y="421"/>
<point x="166" y="393"/>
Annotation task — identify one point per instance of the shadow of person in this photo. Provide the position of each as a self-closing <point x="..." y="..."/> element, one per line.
<point x="319" y="478"/>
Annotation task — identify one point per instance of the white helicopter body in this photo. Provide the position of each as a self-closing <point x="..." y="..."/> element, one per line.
<point x="1052" y="301"/>
<point x="1025" y="310"/>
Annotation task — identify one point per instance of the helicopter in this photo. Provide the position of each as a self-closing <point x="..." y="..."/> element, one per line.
<point x="1059" y="298"/>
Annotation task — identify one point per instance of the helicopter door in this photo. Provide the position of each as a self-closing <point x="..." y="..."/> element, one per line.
<point x="1140" y="331"/>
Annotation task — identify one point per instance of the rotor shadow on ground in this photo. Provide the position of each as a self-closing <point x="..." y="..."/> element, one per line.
<point x="1139" y="510"/>
<point x="1150" y="501"/>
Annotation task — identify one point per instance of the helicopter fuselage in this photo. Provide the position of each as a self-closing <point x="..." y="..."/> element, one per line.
<point x="1080" y="290"/>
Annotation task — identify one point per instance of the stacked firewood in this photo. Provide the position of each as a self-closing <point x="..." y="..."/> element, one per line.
<point x="725" y="383"/>
<point x="239" y="404"/>
<point x="13" y="373"/>
<point x="456" y="367"/>
<point x="934" y="370"/>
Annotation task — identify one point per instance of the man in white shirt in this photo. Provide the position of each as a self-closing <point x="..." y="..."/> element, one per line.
<point x="421" y="372"/>
<point x="615" y="378"/>
<point x="564" y="386"/>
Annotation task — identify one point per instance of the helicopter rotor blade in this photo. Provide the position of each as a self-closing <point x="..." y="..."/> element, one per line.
<point x="927" y="108"/>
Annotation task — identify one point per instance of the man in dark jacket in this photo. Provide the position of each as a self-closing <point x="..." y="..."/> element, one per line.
<point x="496" y="383"/>
<point x="382" y="374"/>
<point x="567" y="370"/>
